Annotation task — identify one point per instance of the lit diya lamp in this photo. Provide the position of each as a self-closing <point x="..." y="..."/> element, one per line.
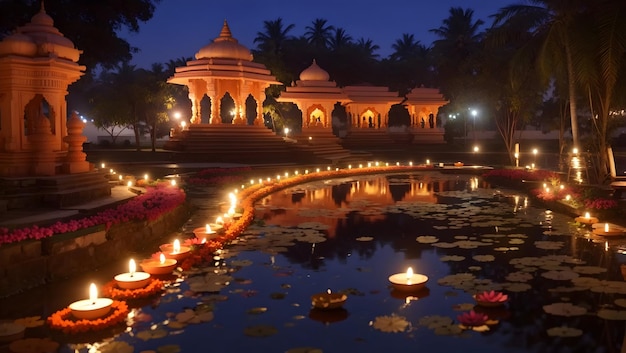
<point x="92" y="308"/>
<point x="586" y="219"/>
<point x="206" y="232"/>
<point x="608" y="230"/>
<point x="491" y="299"/>
<point x="162" y="266"/>
<point x="328" y="300"/>
<point x="408" y="281"/>
<point x="232" y="214"/>
<point x="175" y="250"/>
<point x="132" y="279"/>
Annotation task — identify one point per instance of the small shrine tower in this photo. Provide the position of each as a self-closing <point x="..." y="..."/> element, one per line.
<point x="37" y="64"/>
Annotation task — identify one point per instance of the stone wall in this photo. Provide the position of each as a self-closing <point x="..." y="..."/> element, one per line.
<point x="32" y="263"/>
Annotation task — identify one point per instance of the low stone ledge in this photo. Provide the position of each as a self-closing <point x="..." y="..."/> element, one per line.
<point x="17" y="252"/>
<point x="31" y="263"/>
<point x="66" y="242"/>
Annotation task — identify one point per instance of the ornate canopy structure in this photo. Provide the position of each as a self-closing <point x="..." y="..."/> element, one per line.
<point x="315" y="95"/>
<point x="369" y="105"/>
<point x="423" y="104"/>
<point x="37" y="64"/>
<point x="224" y="66"/>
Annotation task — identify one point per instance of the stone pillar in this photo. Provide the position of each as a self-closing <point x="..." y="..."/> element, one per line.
<point x="75" y="160"/>
<point x="259" y="121"/>
<point x="215" y="111"/>
<point x="42" y="142"/>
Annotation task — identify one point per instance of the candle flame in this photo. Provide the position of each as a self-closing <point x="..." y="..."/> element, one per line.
<point x="208" y="228"/>
<point x="203" y="240"/>
<point x="606" y="227"/>
<point x="162" y="259"/>
<point x="176" y="247"/>
<point x="219" y="220"/>
<point x="132" y="267"/>
<point x="328" y="291"/>
<point x="93" y="293"/>
<point x="587" y="215"/>
<point x="409" y="273"/>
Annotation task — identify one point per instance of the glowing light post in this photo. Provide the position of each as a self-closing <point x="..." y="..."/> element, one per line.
<point x="474" y="112"/>
<point x="286" y="132"/>
<point x="535" y="151"/>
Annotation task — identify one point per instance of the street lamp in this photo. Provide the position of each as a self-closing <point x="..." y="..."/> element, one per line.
<point x="474" y="113"/>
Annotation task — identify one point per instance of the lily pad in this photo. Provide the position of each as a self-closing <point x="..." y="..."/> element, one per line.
<point x="564" y="309"/>
<point x="260" y="331"/>
<point x="391" y="323"/>
<point x="151" y="334"/>
<point x="564" y="331"/>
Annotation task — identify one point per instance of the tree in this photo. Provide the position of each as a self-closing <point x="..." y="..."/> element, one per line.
<point x="456" y="56"/>
<point x="367" y="48"/>
<point x="319" y="34"/>
<point x="157" y="101"/>
<point x="511" y="85"/>
<point x="340" y="40"/>
<point x="93" y="26"/>
<point x="274" y="36"/>
<point x="551" y="21"/>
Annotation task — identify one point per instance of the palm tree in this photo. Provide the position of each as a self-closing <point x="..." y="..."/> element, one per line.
<point x="274" y="36"/>
<point x="367" y="48"/>
<point x="340" y="39"/>
<point x="407" y="48"/>
<point x="551" y="21"/>
<point x="459" y="33"/>
<point x="319" y="34"/>
<point x="455" y="52"/>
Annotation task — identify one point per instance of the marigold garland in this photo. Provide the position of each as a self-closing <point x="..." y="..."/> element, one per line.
<point x="62" y="320"/>
<point x="111" y="290"/>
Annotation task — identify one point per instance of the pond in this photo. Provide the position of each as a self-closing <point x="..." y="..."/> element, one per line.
<point x="565" y="291"/>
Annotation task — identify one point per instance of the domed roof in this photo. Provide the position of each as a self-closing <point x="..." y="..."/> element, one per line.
<point x="314" y="73"/>
<point x="41" y="34"/>
<point x="224" y="47"/>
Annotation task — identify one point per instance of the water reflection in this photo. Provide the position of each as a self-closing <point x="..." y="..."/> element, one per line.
<point x="349" y="235"/>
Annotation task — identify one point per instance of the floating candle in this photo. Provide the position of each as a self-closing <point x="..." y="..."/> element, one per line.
<point x="10" y="331"/>
<point x="175" y="250"/>
<point x="93" y="307"/>
<point x="163" y="266"/>
<point x="209" y="231"/>
<point x="586" y="219"/>
<point x="608" y="230"/>
<point x="132" y="279"/>
<point x="408" y="281"/>
<point x="328" y="300"/>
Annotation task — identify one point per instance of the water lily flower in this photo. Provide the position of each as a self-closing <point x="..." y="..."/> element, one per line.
<point x="472" y="318"/>
<point x="491" y="297"/>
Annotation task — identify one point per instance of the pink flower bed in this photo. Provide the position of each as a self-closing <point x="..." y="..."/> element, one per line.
<point x="156" y="201"/>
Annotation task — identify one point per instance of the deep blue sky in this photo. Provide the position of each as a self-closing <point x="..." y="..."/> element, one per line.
<point x="181" y="27"/>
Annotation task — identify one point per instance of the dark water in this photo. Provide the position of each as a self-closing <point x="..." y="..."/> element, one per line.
<point x="350" y="235"/>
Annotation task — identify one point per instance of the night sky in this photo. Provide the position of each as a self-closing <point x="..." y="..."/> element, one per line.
<point x="180" y="27"/>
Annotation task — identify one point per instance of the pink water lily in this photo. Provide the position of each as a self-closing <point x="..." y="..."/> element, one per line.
<point x="472" y="319"/>
<point x="492" y="297"/>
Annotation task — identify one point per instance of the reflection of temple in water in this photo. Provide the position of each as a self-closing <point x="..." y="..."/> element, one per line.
<point x="353" y="195"/>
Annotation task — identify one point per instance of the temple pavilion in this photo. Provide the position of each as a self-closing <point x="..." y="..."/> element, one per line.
<point x="40" y="148"/>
